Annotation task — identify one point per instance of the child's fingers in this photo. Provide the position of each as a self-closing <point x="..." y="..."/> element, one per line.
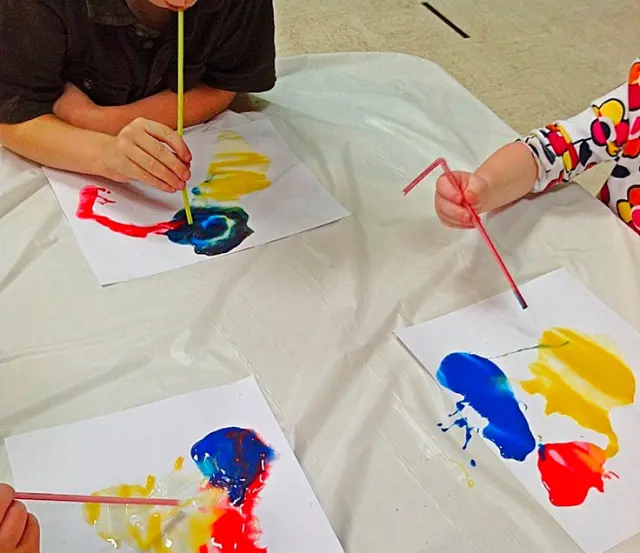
<point x="31" y="538"/>
<point x="161" y="153"/>
<point x="454" y="223"/>
<point x="13" y="526"/>
<point x="448" y="190"/>
<point x="138" y="172"/>
<point x="151" y="171"/>
<point x="169" y="137"/>
<point x="452" y="211"/>
<point x="7" y="493"/>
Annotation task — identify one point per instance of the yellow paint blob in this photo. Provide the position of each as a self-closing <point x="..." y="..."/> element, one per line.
<point x="235" y="170"/>
<point x="581" y="379"/>
<point x="145" y="528"/>
<point x="92" y="513"/>
<point x="200" y="527"/>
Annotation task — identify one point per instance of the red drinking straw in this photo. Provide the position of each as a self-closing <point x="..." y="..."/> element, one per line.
<point x="474" y="217"/>
<point x="69" y="498"/>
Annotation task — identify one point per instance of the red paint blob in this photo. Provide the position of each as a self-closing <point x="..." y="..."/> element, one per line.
<point x="237" y="530"/>
<point x="89" y="195"/>
<point x="570" y="470"/>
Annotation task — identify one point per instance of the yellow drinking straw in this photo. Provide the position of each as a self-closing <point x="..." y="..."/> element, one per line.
<point x="185" y="194"/>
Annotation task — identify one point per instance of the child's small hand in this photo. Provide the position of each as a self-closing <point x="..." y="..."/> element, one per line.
<point x="19" y="530"/>
<point x="140" y="153"/>
<point x="448" y="198"/>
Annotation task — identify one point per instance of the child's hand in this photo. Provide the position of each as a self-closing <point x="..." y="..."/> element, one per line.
<point x="140" y="153"/>
<point x="448" y="199"/>
<point x="19" y="530"/>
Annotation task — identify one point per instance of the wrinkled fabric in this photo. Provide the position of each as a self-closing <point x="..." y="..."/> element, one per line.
<point x="312" y="316"/>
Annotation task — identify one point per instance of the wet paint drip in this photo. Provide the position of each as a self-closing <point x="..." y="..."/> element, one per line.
<point x="218" y="512"/>
<point x="570" y="470"/>
<point x="582" y="380"/>
<point x="235" y="170"/>
<point x="470" y="482"/>
<point x="92" y="510"/>
<point x="238" y="461"/>
<point x="149" y="529"/>
<point x="215" y="230"/>
<point x="486" y="390"/>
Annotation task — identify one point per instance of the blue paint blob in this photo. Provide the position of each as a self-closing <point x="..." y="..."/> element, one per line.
<point x="216" y="229"/>
<point x="486" y="389"/>
<point x="231" y="459"/>
<point x="473" y="463"/>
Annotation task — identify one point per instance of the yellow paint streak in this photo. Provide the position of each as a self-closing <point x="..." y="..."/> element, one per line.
<point x="235" y="170"/>
<point x="144" y="528"/>
<point x="92" y="513"/>
<point x="155" y="541"/>
<point x="200" y="529"/>
<point x="470" y="482"/>
<point x="581" y="379"/>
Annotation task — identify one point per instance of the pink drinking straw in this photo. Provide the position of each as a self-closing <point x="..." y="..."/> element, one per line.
<point x="68" y="498"/>
<point x="474" y="217"/>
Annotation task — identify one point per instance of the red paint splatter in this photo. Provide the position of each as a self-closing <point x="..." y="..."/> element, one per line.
<point x="570" y="470"/>
<point x="238" y="530"/>
<point x="90" y="195"/>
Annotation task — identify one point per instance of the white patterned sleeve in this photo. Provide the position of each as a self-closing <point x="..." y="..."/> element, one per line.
<point x="566" y="148"/>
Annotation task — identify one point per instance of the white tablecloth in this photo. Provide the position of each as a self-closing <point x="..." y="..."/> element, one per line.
<point x="312" y="316"/>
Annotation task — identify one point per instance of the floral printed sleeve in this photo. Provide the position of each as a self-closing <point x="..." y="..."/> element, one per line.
<point x="565" y="149"/>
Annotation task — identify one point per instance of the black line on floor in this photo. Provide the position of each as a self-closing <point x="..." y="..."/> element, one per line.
<point x="445" y="19"/>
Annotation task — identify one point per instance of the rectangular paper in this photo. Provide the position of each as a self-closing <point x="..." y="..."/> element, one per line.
<point x="247" y="189"/>
<point x="128" y="446"/>
<point x="551" y="390"/>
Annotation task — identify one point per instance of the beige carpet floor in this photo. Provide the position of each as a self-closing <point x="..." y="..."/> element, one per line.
<point x="530" y="61"/>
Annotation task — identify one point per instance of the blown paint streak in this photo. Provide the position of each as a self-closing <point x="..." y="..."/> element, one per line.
<point x="235" y="463"/>
<point x="235" y="170"/>
<point x="215" y="230"/>
<point x="90" y="195"/>
<point x="485" y="389"/>
<point x="578" y="378"/>
<point x="582" y="380"/>
<point x="236" y="460"/>
<point x="570" y="470"/>
<point x="145" y="528"/>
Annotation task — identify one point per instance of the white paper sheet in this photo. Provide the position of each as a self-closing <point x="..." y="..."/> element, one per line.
<point x="497" y="326"/>
<point x="127" y="446"/>
<point x="293" y="202"/>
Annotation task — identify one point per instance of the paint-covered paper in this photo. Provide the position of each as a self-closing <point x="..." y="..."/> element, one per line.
<point x="247" y="188"/>
<point x="220" y="451"/>
<point x="552" y="391"/>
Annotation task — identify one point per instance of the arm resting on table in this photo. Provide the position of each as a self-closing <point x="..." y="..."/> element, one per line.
<point x="48" y="141"/>
<point x="200" y="104"/>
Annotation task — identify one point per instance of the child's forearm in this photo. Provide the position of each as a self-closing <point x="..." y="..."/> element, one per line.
<point x="201" y="104"/>
<point x="510" y="173"/>
<point x="49" y="141"/>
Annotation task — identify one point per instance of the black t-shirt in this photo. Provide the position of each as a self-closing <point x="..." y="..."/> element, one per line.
<point x="100" y="46"/>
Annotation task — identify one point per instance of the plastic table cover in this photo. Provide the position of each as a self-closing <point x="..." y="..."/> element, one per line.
<point x="312" y="316"/>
